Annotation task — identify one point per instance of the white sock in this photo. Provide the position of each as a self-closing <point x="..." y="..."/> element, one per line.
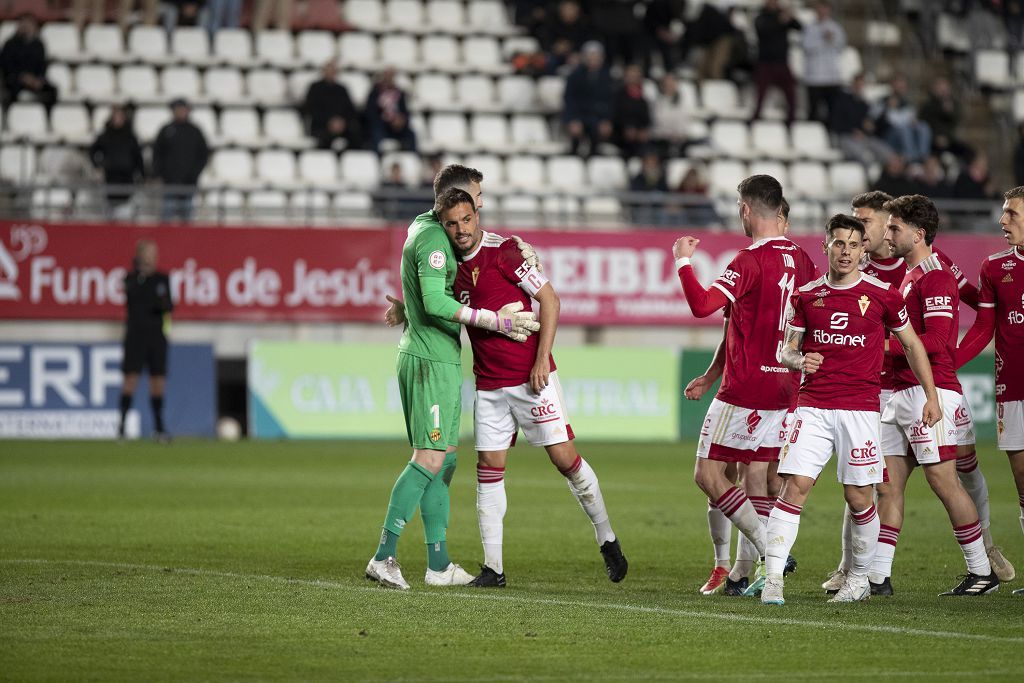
<point x="969" y="538"/>
<point x="783" y="526"/>
<point x="735" y="505"/>
<point x="491" y="505"/>
<point x="977" y="488"/>
<point x="881" y="566"/>
<point x="584" y="485"/>
<point x="847" y="559"/>
<point x="863" y="541"/>
<point x="721" y="534"/>
<point x="746" y="555"/>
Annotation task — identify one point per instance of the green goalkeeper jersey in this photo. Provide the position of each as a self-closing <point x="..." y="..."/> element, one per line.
<point x="428" y="274"/>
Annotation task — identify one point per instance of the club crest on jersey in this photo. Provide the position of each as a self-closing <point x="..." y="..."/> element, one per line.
<point x="435" y="435"/>
<point x="863" y="302"/>
<point x="476" y="274"/>
<point x="437" y="259"/>
<point x="1007" y="278"/>
<point x="752" y="421"/>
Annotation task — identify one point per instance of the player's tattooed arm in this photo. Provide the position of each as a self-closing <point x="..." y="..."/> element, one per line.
<point x="395" y="315"/>
<point x="917" y="358"/>
<point x="792" y="357"/>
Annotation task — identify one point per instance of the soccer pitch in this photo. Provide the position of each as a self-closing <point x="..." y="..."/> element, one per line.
<point x="207" y="561"/>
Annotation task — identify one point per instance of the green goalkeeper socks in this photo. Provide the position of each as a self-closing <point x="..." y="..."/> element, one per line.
<point x="437" y="556"/>
<point x="405" y="496"/>
<point x="435" y="508"/>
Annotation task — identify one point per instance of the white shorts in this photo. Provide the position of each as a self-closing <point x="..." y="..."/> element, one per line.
<point x="902" y="426"/>
<point x="883" y="398"/>
<point x="500" y="413"/>
<point x="734" y="434"/>
<point x="852" y="434"/>
<point x="1010" y="425"/>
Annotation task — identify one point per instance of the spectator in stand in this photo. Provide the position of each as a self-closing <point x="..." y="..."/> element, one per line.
<point x="896" y="121"/>
<point x="432" y="165"/>
<point x="181" y="13"/>
<point x="389" y="199"/>
<point x="531" y="15"/>
<point x="649" y="210"/>
<point x="697" y="209"/>
<point x="117" y="153"/>
<point x="281" y="9"/>
<point x="932" y="180"/>
<point x="1013" y="17"/>
<point x="894" y="179"/>
<point x="658" y="35"/>
<point x="180" y="154"/>
<point x="564" y="35"/>
<point x="974" y="181"/>
<point x="632" y="113"/>
<point x="23" y="65"/>
<point x="942" y="113"/>
<point x="670" y="120"/>
<point x="823" y="42"/>
<point x="709" y="29"/>
<point x="329" y="112"/>
<point x="773" y="25"/>
<point x="97" y="11"/>
<point x="223" y="14"/>
<point x="589" y="98"/>
<point x="1018" y="157"/>
<point x="620" y="29"/>
<point x="387" y="113"/>
<point x="851" y="122"/>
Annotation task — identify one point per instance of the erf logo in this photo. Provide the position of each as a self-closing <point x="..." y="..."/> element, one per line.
<point x="840" y="320"/>
<point x="730" y="276"/>
<point x="938" y="303"/>
<point x="868" y="452"/>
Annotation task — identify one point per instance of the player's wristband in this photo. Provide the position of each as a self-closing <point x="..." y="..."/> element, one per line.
<point x="684" y="261"/>
<point x="478" y="317"/>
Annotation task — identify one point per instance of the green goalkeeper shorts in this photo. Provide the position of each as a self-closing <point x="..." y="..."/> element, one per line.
<point x="431" y="400"/>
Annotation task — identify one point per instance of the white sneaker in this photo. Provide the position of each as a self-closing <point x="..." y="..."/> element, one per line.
<point x="1000" y="565"/>
<point x="835" y="581"/>
<point x="771" y="594"/>
<point x="855" y="589"/>
<point x="452" y="575"/>
<point x="387" y="573"/>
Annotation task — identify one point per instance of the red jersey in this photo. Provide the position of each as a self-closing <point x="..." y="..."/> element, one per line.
<point x="930" y="291"/>
<point x="1002" y="288"/>
<point x="890" y="271"/>
<point x="759" y="283"/>
<point x="847" y="325"/>
<point x="492" y="276"/>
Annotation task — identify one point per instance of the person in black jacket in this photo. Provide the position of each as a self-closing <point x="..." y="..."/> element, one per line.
<point x="330" y="114"/>
<point x="23" y="65"/>
<point x="387" y="113"/>
<point x="589" y="96"/>
<point x="117" y="153"/>
<point x="632" y="113"/>
<point x="147" y="300"/>
<point x="180" y="154"/>
<point x="850" y="120"/>
<point x="773" y="25"/>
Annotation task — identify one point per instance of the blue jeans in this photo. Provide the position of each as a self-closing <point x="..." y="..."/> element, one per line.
<point x="177" y="206"/>
<point x="912" y="141"/>
<point x="222" y="14"/>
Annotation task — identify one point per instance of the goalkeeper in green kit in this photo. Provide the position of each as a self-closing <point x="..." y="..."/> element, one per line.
<point x="430" y="384"/>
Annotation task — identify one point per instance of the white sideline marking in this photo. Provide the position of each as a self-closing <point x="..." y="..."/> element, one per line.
<point x="669" y="611"/>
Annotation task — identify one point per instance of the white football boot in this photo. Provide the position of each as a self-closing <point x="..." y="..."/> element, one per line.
<point x="1000" y="565"/>
<point x="835" y="581"/>
<point x="452" y="575"/>
<point x="387" y="573"/>
<point x="771" y="594"/>
<point x="855" y="589"/>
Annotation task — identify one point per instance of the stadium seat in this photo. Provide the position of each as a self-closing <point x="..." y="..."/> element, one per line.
<point x="17" y="163"/>
<point x="62" y="40"/>
<point x="883" y="34"/>
<point x="358" y="50"/>
<point x="149" y="120"/>
<point x="519" y="210"/>
<point x="722" y="98"/>
<point x="284" y="128"/>
<point x="359" y="86"/>
<point x="675" y="170"/>
<point x="490" y="132"/>
<point x="60" y="75"/>
<point x="950" y="34"/>
<point x="489" y="16"/>
<point x="434" y="91"/>
<point x="233" y="167"/>
<point x="95" y="82"/>
<point x="316" y="47"/>
<point x="267" y="207"/>
<point x="276" y="49"/>
<point x="525" y="172"/>
<point x="352" y="204"/>
<point x="206" y="120"/>
<point x="148" y="44"/>
<point x="724" y="175"/>
<point x="850" y="63"/>
<point x="406" y="15"/>
<point x="514" y="45"/>
<point x="440" y="53"/>
<point x="517" y="93"/>
<point x="180" y="81"/>
<point x="104" y="43"/>
<point x="51" y="203"/>
<point x="566" y="173"/>
<point x="561" y="209"/>
<point x="551" y="92"/>
<point x="847" y="178"/>
<point x="691" y="99"/>
<point x="410" y="164"/>
<point x="276" y="167"/>
<point x="299" y="82"/>
<point x="775" y="169"/>
<point x="808" y="212"/>
<point x="400" y="51"/>
<point x="731" y="138"/>
<point x="138" y="83"/>
<point x="607" y="174"/>
<point x="602" y="210"/>
<point x="491" y="166"/>
<point x="811" y="141"/>
<point x="70" y="124"/>
<point x="809" y="179"/>
<point x="449" y="132"/>
<point x="224" y="86"/>
<point x="190" y="44"/>
<point x="26" y="121"/>
<point x="241" y="126"/>
<point x="267" y="86"/>
<point x="319" y="168"/>
<point x="445" y="16"/>
<point x="365" y="14"/>
<point x="7" y="29"/>
<point x="234" y="46"/>
<point x="310" y="207"/>
<point x="992" y="68"/>
<point x="475" y="92"/>
<point x="482" y="53"/>
<point x="1018" y="105"/>
<point x="771" y="139"/>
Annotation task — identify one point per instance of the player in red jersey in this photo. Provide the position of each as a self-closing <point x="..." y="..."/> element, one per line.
<point x="1001" y="310"/>
<point x="931" y="294"/>
<point x="517" y="386"/>
<point x="836" y="337"/>
<point x="746" y="417"/>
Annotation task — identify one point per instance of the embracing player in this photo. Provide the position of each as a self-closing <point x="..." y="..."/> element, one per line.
<point x="836" y="337"/>
<point x="747" y="415"/>
<point x="1001" y="310"/>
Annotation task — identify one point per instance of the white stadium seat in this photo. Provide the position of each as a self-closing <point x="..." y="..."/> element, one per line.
<point x="233" y="167"/>
<point x="180" y="81"/>
<point x="406" y="15"/>
<point x="675" y="170"/>
<point x="224" y="85"/>
<point x="525" y="172"/>
<point x="441" y="53"/>
<point x="60" y="75"/>
<point x="770" y="139"/>
<point x="490" y="132"/>
<point x="489" y="16"/>
<point x="449" y="132"/>
<point x="491" y="166"/>
<point x="810" y="140"/>
<point x="319" y="168"/>
<point x="566" y="173"/>
<point x="276" y="166"/>
<point x="530" y="133"/>
<point x="475" y="92"/>
<point x="519" y="44"/>
<point x="359" y="86"/>
<point x="517" y="93"/>
<point x="731" y="138"/>
<point x="148" y="44"/>
<point x="316" y="47"/>
<point x="357" y="49"/>
<point x="275" y="48"/>
<point x="445" y="15"/>
<point x="104" y="42"/>
<point x="149" y="120"/>
<point x="482" y="53"/>
<point x="70" y="123"/>
<point x="360" y="169"/>
<point x="267" y="86"/>
<point x="410" y="165"/>
<point x="400" y="51"/>
<point x="365" y="14"/>
<point x="240" y="125"/>
<point x="62" y="40"/>
<point x="27" y="121"/>
<point x="809" y="179"/>
<point x="299" y="82"/>
<point x="607" y="173"/>
<point x="992" y="68"/>
<point x="775" y="169"/>
<point x="561" y="209"/>
<point x="206" y="120"/>
<point x="519" y="210"/>
<point x="434" y="91"/>
<point x="95" y="82"/>
<point x="234" y="46"/>
<point x="847" y="178"/>
<point x="722" y="98"/>
<point x="551" y="92"/>
<point x="138" y="83"/>
<point x="353" y="204"/>
<point x="602" y="210"/>
<point x="17" y="163"/>
<point x="190" y="44"/>
<point x="724" y="175"/>
<point x="283" y="127"/>
<point x="267" y="207"/>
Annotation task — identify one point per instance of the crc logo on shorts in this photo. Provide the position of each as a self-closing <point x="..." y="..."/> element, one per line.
<point x="435" y="435"/>
<point x="704" y="430"/>
<point x="867" y="455"/>
<point x="960" y="417"/>
<point x="437" y="259"/>
<point x="545" y="409"/>
<point x="919" y="433"/>
<point x="752" y="421"/>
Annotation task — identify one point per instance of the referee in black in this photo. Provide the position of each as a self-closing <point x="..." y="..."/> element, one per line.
<point x="148" y="301"/>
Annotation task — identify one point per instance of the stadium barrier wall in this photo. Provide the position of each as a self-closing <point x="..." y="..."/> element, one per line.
<point x="65" y="271"/>
<point x="72" y="391"/>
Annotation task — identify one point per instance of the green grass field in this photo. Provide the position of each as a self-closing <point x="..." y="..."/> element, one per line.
<point x="245" y="561"/>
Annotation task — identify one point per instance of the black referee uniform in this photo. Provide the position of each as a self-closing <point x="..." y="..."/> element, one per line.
<point x="147" y="298"/>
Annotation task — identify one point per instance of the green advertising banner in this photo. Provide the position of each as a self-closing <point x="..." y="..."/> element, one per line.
<point x="299" y="390"/>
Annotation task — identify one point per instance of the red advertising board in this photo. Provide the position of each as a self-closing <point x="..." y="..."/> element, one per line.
<point x="75" y="271"/>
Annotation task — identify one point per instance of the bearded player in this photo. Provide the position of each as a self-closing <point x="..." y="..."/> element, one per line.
<point x="836" y="337"/>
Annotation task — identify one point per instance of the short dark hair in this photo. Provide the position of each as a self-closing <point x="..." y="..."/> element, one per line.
<point x="762" y="192"/>
<point x="843" y="222"/>
<point x="455" y="175"/>
<point x="873" y="200"/>
<point x="784" y="209"/>
<point x="917" y="210"/>
<point x="1015" y="193"/>
<point x="451" y="198"/>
